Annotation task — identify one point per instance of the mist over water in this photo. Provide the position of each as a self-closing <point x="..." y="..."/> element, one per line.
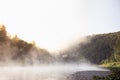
<point x="20" y="60"/>
<point x="44" y="72"/>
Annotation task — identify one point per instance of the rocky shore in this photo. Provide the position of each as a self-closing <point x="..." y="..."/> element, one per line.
<point x="87" y="75"/>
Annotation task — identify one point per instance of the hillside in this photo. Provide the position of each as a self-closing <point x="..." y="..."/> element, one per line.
<point x="100" y="48"/>
<point x="97" y="49"/>
<point x="17" y="51"/>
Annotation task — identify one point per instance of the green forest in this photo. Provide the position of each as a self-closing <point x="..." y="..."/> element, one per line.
<point x="101" y="49"/>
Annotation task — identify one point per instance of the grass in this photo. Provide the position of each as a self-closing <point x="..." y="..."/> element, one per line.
<point x="112" y="64"/>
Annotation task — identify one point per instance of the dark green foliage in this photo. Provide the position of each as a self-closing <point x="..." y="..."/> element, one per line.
<point x="100" y="48"/>
<point x="96" y="78"/>
<point x="115" y="57"/>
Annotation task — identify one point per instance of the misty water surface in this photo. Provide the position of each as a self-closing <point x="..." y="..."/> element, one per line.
<point x="43" y="72"/>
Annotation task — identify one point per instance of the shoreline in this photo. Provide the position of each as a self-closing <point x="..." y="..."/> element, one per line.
<point x="88" y="75"/>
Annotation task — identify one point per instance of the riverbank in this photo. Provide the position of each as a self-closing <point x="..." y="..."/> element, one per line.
<point x="88" y="75"/>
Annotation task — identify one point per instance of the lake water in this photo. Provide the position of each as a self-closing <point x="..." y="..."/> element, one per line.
<point x="44" y="72"/>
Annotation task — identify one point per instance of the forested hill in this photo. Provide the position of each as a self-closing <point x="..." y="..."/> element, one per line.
<point x="100" y="48"/>
<point x="14" y="50"/>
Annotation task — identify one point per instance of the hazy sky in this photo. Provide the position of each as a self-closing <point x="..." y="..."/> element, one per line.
<point x="54" y="23"/>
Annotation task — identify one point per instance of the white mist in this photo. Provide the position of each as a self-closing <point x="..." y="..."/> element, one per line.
<point x="43" y="72"/>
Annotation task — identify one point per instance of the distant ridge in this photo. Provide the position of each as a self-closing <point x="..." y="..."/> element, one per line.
<point x="100" y="48"/>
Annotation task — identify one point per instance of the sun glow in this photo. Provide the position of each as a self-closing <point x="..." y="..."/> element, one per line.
<point x="52" y="24"/>
<point x="52" y="39"/>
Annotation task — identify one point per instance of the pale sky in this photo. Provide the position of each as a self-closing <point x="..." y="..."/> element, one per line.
<point x="56" y="23"/>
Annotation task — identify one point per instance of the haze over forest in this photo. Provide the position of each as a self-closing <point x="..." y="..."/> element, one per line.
<point x="53" y="24"/>
<point x="96" y="49"/>
<point x="60" y="39"/>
